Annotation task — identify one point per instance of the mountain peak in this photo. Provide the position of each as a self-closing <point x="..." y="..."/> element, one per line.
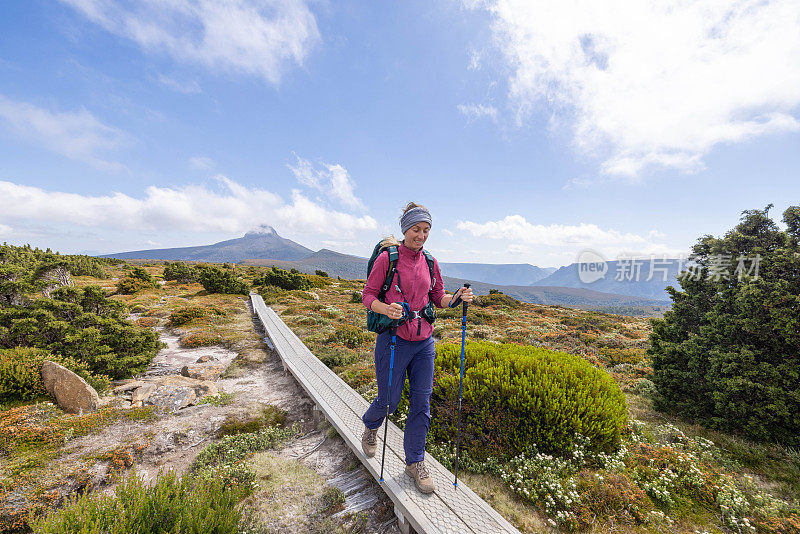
<point x="263" y="229"/>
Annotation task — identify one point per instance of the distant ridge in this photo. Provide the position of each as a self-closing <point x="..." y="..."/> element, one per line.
<point x="617" y="279"/>
<point x="525" y="282"/>
<point x="263" y="242"/>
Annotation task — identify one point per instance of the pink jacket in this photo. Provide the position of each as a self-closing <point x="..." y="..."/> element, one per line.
<point x="415" y="280"/>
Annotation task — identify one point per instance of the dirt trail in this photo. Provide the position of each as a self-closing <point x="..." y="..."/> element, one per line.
<point x="173" y="440"/>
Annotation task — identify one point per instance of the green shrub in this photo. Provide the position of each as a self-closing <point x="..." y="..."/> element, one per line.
<point x="356" y="297"/>
<point x="187" y="314"/>
<point x="496" y="299"/>
<point x="518" y="396"/>
<point x="170" y="505"/>
<point x="21" y="373"/>
<point x="726" y="355"/>
<point x="216" y="280"/>
<point x="321" y="273"/>
<point x="336" y="356"/>
<point x="180" y="272"/>
<point x="283" y="279"/>
<point x="81" y="323"/>
<point x="349" y="335"/>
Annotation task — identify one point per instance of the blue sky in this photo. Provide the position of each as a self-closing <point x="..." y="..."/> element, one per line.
<point x="531" y="130"/>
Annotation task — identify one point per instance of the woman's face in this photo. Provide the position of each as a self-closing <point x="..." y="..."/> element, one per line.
<point x="416" y="236"/>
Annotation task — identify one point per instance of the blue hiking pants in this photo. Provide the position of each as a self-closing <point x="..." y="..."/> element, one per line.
<point x="415" y="359"/>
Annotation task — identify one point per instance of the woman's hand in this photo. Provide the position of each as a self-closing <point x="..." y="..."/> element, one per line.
<point x="465" y="293"/>
<point x="394" y="311"/>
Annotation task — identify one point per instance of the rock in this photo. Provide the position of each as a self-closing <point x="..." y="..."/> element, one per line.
<point x="71" y="392"/>
<point x="203" y="371"/>
<point x="172" y="398"/>
<point x="206" y="358"/>
<point x="128" y="385"/>
<point x="201" y="387"/>
<point x="313" y="295"/>
<point x="142" y="393"/>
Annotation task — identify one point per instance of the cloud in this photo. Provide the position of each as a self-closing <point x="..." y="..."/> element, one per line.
<point x="230" y="207"/>
<point x="187" y="87"/>
<point x="474" y="112"/>
<point x="201" y="163"/>
<point x="77" y="135"/>
<point x="332" y="179"/>
<point x="652" y="84"/>
<point x="567" y="237"/>
<point x="474" y="60"/>
<point x="258" y="38"/>
<point x="5" y="229"/>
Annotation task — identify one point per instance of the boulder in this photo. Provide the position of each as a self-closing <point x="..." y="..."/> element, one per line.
<point x="201" y="387"/>
<point x="206" y="358"/>
<point x="142" y="393"/>
<point x="71" y="392"/>
<point x="172" y="398"/>
<point x="203" y="371"/>
<point x="128" y="385"/>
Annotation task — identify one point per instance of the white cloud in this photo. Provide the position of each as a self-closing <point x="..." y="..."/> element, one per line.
<point x="474" y="112"/>
<point x="653" y="84"/>
<point x="231" y="208"/>
<point x="77" y="135"/>
<point x="332" y="179"/>
<point x="516" y="227"/>
<point x="187" y="87"/>
<point x="5" y="229"/>
<point x="529" y="238"/>
<point x="474" y="60"/>
<point x="201" y="163"/>
<point x="252" y="37"/>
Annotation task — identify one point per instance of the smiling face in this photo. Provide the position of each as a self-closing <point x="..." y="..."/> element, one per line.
<point x="416" y="236"/>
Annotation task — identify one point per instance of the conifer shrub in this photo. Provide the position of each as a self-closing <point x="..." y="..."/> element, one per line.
<point x="187" y="314"/>
<point x="516" y="397"/>
<point x="180" y="272"/>
<point x="728" y="352"/>
<point x="83" y="324"/>
<point x="137" y="280"/>
<point x="216" y="280"/>
<point x="496" y="298"/>
<point x="317" y="281"/>
<point x="283" y="279"/>
<point x="319" y="272"/>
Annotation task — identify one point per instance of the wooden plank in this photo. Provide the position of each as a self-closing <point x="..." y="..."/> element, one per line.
<point x="447" y="510"/>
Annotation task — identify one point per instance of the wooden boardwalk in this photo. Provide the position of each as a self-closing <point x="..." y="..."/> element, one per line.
<point x="447" y="510"/>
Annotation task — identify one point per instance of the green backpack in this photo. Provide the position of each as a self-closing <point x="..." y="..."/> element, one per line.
<point x="378" y="322"/>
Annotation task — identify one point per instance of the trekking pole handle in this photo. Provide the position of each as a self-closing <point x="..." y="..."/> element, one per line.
<point x="464" y="304"/>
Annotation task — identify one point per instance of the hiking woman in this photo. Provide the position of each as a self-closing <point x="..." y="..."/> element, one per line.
<point x="411" y="288"/>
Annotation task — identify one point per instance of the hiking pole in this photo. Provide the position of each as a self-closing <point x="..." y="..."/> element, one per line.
<point x="461" y="382"/>
<point x="388" y="399"/>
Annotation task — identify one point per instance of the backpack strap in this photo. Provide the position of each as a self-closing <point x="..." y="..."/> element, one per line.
<point x="429" y="259"/>
<point x="393" y="256"/>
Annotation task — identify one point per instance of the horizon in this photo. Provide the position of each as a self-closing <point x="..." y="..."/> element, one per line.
<point x="626" y="130"/>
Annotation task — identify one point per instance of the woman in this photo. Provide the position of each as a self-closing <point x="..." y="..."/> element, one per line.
<point x="414" y="351"/>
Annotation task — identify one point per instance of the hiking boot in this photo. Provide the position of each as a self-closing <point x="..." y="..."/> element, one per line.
<point x="369" y="442"/>
<point x="422" y="477"/>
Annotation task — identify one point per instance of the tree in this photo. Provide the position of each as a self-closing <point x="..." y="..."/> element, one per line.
<point x="728" y="353"/>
